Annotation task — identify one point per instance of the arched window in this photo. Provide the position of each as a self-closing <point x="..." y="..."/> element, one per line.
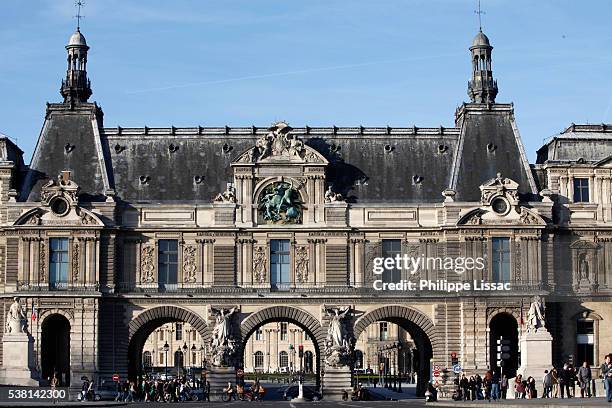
<point x="308" y="362"/>
<point x="178" y="359"/>
<point x="147" y="361"/>
<point x="358" y="359"/>
<point x="283" y="359"/>
<point x="258" y="360"/>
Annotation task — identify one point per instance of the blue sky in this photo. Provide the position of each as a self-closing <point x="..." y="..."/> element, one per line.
<point x="321" y="63"/>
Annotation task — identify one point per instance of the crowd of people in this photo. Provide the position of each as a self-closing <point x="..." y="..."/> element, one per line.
<point x="555" y="383"/>
<point x="243" y="392"/>
<point x="148" y="389"/>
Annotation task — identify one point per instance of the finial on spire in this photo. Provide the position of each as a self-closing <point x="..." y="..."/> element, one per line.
<point x="480" y="13"/>
<point x="78" y="4"/>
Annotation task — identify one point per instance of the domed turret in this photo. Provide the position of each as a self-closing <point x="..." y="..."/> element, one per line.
<point x="76" y="87"/>
<point x="482" y="88"/>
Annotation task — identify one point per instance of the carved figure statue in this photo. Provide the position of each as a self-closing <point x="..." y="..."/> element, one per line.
<point x="278" y="205"/>
<point x="535" y="315"/>
<point x="222" y="330"/>
<point x="222" y="342"/>
<point x="16" y="318"/>
<point x="336" y="335"/>
<point x="583" y="268"/>
<point x="331" y="196"/>
<point x="228" y="196"/>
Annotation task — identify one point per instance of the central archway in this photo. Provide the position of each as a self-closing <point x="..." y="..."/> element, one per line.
<point x="289" y="314"/>
<point x="143" y="325"/>
<point x="418" y="325"/>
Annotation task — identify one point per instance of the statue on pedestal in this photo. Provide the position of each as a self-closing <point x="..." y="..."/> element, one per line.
<point x="337" y="343"/>
<point x="223" y="343"/>
<point x="535" y="315"/>
<point x="16" y="320"/>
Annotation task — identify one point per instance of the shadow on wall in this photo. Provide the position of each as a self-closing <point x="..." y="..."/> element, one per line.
<point x="343" y="176"/>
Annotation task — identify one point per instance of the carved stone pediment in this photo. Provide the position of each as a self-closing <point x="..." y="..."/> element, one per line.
<point x="74" y="217"/>
<point x="519" y="216"/>
<point x="499" y="187"/>
<point x="280" y="145"/>
<point x="584" y="244"/>
<point x="61" y="187"/>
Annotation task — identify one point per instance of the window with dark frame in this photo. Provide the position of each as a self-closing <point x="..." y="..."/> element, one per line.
<point x="279" y="263"/>
<point x="500" y="259"/>
<point x="58" y="263"/>
<point x="390" y="249"/>
<point x="167" y="263"/>
<point x="581" y="190"/>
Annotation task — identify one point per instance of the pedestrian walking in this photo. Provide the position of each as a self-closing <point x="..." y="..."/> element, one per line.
<point x="547" y="384"/>
<point x="584" y="379"/>
<point x="503" y="386"/>
<point x="606" y="372"/>
<point x="555" y="382"/>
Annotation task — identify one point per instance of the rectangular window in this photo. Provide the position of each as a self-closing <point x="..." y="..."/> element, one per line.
<point x="179" y="332"/>
<point x="390" y="249"/>
<point x="58" y="263"/>
<point x="193" y="336"/>
<point x="167" y="263"/>
<point x="193" y="358"/>
<point x="161" y="358"/>
<point x="258" y="334"/>
<point x="383" y="331"/>
<point x="581" y="190"/>
<point x="283" y="331"/>
<point x="279" y="263"/>
<point x="500" y="260"/>
<point x="585" y="342"/>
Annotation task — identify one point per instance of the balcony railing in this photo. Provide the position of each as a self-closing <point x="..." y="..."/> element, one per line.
<point x="24" y="286"/>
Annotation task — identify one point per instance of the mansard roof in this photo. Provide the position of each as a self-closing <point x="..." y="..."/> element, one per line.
<point x="364" y="164"/>
<point x="578" y="143"/>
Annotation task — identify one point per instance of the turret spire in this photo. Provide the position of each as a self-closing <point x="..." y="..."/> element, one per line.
<point x="76" y="87"/>
<point x="482" y="88"/>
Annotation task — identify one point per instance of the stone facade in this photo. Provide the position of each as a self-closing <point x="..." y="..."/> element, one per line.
<point x="110" y="233"/>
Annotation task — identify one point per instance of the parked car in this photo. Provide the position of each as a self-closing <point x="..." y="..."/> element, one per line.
<point x="310" y="393"/>
<point x="107" y="391"/>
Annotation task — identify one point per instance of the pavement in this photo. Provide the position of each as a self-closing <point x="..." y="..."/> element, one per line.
<point x="540" y="403"/>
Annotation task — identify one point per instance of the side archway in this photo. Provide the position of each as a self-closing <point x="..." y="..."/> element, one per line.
<point x="420" y="327"/>
<point x="146" y="322"/>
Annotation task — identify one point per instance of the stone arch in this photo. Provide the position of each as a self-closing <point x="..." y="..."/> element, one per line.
<point x="143" y="325"/>
<point x="290" y="314"/>
<point x="50" y="312"/>
<point x="395" y="312"/>
<point x="284" y="313"/>
<point x="421" y="329"/>
<point x="299" y="188"/>
<point x="491" y="314"/>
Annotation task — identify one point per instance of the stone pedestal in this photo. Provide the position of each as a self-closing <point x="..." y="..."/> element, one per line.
<point x="335" y="381"/>
<point x="219" y="377"/>
<point x="536" y="353"/>
<point x="18" y="366"/>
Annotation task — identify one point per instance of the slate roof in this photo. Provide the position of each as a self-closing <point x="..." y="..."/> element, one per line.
<point x="378" y="165"/>
<point x="587" y="143"/>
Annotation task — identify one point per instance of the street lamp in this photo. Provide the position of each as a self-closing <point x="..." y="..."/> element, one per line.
<point x="399" y="351"/>
<point x="184" y="362"/>
<point x="202" y="365"/>
<point x="166" y="348"/>
<point x="193" y="349"/>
